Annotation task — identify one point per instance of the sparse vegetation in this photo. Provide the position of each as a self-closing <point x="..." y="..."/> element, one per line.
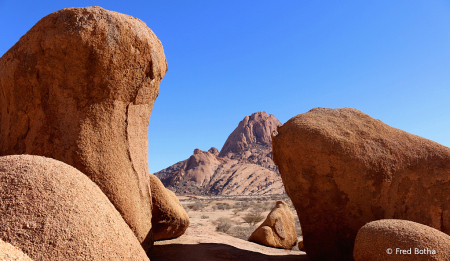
<point x="223" y="225"/>
<point x="223" y="206"/>
<point x="242" y="232"/>
<point x="253" y="217"/>
<point x="198" y="205"/>
<point x="231" y="214"/>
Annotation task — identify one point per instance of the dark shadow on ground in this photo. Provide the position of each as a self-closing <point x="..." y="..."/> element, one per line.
<point x="212" y="252"/>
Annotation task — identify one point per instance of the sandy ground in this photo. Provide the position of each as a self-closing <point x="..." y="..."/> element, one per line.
<point x="202" y="242"/>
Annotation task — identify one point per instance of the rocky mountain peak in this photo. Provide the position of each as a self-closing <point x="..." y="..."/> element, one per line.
<point x="254" y="129"/>
<point x="246" y="169"/>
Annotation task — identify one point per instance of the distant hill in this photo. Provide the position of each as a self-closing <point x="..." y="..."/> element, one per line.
<point x="243" y="166"/>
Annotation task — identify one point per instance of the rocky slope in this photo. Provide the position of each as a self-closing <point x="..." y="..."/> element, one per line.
<point x="244" y="165"/>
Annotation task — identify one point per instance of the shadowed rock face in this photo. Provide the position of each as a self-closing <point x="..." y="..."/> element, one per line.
<point x="79" y="87"/>
<point x="52" y="211"/>
<point x="245" y="169"/>
<point x="278" y="230"/>
<point x="374" y="238"/>
<point x="343" y="169"/>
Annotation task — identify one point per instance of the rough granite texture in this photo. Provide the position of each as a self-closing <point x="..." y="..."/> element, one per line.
<point x="169" y="219"/>
<point x="278" y="230"/>
<point x="79" y="87"/>
<point x="375" y="238"/>
<point x="52" y="211"/>
<point x="10" y="253"/>
<point x="343" y="169"/>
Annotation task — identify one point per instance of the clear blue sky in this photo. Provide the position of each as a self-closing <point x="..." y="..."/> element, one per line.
<point x="227" y="59"/>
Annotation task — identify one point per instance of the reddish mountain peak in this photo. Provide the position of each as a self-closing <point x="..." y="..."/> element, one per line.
<point x="254" y="129"/>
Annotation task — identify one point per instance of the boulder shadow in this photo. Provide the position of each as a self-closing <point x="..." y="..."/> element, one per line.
<point x="213" y="252"/>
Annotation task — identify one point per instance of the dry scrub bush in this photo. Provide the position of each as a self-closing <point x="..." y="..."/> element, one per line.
<point x="204" y="217"/>
<point x="223" y="225"/>
<point x="253" y="217"/>
<point x="223" y="206"/>
<point x="196" y="206"/>
<point x="241" y="232"/>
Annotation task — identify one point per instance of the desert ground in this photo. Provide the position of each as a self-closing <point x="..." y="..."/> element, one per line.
<point x="219" y="229"/>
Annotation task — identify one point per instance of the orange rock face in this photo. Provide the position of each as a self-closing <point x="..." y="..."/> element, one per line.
<point x="278" y="230"/>
<point x="52" y="211"/>
<point x="343" y="169"/>
<point x="169" y="219"/>
<point x="79" y="87"/>
<point x="407" y="240"/>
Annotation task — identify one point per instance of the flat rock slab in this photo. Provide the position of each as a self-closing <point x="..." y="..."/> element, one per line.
<point x="199" y="243"/>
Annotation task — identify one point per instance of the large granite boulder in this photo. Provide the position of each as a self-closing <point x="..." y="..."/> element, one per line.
<point x="10" y="253"/>
<point x="169" y="219"/>
<point x="343" y="169"/>
<point x="278" y="230"/>
<point x="52" y="211"/>
<point x="79" y="87"/>
<point x="394" y="239"/>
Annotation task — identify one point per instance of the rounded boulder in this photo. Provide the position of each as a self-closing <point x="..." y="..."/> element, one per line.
<point x="278" y="230"/>
<point x="52" y="211"/>
<point x="394" y="239"/>
<point x="169" y="219"/>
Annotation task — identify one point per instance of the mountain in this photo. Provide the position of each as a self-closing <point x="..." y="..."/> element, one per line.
<point x="244" y="165"/>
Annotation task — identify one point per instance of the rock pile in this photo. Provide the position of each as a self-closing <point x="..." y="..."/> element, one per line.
<point x="343" y="169"/>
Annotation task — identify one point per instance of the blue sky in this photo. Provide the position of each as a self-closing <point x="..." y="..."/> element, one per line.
<point x="228" y="59"/>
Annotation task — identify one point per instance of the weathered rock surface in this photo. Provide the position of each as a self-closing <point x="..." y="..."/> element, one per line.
<point x="254" y="129"/>
<point x="52" y="211"/>
<point x="343" y="169"/>
<point x="278" y="230"/>
<point x="10" y="253"/>
<point x="169" y="219"/>
<point x="245" y="167"/>
<point x="79" y="87"/>
<point x="419" y="242"/>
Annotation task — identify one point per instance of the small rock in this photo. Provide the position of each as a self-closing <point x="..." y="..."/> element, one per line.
<point x="278" y="230"/>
